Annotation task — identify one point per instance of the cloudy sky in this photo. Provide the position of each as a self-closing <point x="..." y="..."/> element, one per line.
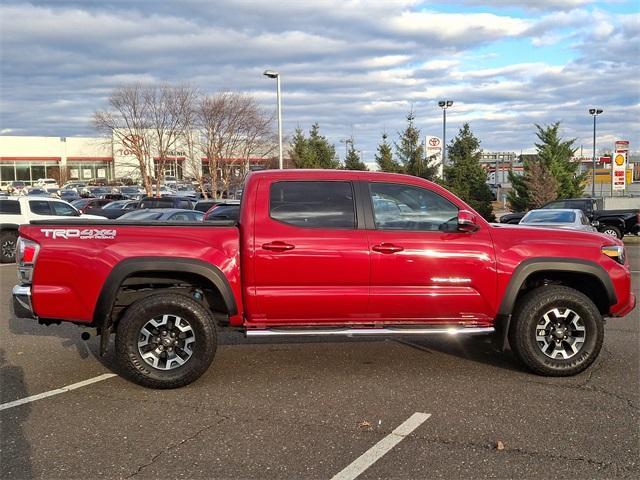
<point x="353" y="66"/>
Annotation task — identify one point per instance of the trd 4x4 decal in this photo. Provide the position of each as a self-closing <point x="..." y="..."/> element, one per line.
<point x="81" y="233"/>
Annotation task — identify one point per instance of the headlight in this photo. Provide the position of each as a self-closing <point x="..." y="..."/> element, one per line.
<point x="614" y="251"/>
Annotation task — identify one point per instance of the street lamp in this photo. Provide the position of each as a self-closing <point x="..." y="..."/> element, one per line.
<point x="594" y="112"/>
<point x="444" y="104"/>
<point x="276" y="75"/>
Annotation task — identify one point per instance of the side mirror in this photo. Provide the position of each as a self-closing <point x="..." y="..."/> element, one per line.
<point x="595" y="223"/>
<point x="467" y="222"/>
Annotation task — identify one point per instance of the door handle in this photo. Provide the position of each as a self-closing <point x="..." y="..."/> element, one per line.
<point x="387" y="248"/>
<point x="277" y="246"/>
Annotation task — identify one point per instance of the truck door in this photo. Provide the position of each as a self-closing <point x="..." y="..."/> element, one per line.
<point x="310" y="259"/>
<point x="420" y="272"/>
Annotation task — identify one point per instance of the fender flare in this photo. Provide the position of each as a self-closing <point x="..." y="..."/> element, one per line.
<point x="530" y="266"/>
<point x="131" y="266"/>
<point x="572" y="265"/>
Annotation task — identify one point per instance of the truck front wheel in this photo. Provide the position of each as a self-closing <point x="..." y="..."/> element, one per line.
<point x="165" y="341"/>
<point x="556" y="331"/>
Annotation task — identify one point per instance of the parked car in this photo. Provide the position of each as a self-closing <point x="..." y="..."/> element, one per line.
<point x="132" y="192"/>
<point x="311" y="256"/>
<point x="118" y="208"/>
<point x="90" y="205"/>
<point x="615" y="223"/>
<point x="16" y="211"/>
<point x="205" y="205"/>
<point x="114" y="196"/>
<point x="69" y="194"/>
<point x="169" y="201"/>
<point x="15" y="187"/>
<point x="46" y="183"/>
<point x="558" y="218"/>
<point x="163" y="215"/>
<point x="223" y="211"/>
<point x="170" y="181"/>
<point x="35" y="192"/>
<point x="74" y="185"/>
<point x="94" y="191"/>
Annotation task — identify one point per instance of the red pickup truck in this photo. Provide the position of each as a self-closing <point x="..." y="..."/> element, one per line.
<point x="324" y="253"/>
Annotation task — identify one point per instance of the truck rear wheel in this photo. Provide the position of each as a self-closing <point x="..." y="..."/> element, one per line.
<point x="166" y="341"/>
<point x="556" y="331"/>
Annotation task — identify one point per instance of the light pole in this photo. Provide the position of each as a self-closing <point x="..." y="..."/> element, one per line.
<point x="444" y="104"/>
<point x="276" y="75"/>
<point x="594" y="112"/>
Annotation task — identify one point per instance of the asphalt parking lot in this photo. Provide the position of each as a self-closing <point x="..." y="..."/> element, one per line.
<point x="311" y="409"/>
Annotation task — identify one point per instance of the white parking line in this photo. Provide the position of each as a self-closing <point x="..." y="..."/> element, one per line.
<point x="376" y="452"/>
<point x="57" y="391"/>
<point x="8" y="265"/>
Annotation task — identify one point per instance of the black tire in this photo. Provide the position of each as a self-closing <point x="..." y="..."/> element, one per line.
<point x="611" y="231"/>
<point x="531" y="309"/>
<point x="136" y="317"/>
<point x="8" y="240"/>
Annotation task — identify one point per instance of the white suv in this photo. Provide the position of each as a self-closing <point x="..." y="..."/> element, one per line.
<point x="46" y="183"/>
<point x="21" y="210"/>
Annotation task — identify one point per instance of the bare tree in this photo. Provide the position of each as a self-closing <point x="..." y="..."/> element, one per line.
<point x="233" y="128"/>
<point x="170" y="109"/>
<point x="127" y="121"/>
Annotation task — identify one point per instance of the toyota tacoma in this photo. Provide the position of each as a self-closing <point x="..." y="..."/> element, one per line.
<point x="321" y="253"/>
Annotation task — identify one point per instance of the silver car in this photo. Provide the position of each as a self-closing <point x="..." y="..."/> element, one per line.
<point x="572" y="219"/>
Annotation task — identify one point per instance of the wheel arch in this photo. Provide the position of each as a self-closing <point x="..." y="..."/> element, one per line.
<point x="171" y="268"/>
<point x="583" y="275"/>
<point x="537" y="267"/>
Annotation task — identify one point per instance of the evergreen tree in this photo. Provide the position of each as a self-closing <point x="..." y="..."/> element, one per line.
<point x="555" y="155"/>
<point x="384" y="158"/>
<point x="352" y="161"/>
<point x="518" y="196"/>
<point x="312" y="152"/>
<point x="541" y="184"/>
<point x="464" y="175"/>
<point x="299" y="149"/>
<point x="411" y="152"/>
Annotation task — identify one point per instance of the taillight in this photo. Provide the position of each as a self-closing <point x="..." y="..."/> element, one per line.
<point x="26" y="256"/>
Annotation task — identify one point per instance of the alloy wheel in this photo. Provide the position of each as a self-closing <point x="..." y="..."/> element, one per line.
<point x="166" y="342"/>
<point x="560" y="333"/>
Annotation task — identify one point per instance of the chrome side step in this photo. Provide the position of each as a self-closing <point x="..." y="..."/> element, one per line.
<point x="365" y="332"/>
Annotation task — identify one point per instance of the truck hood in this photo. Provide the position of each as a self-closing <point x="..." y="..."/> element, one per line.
<point x="526" y="234"/>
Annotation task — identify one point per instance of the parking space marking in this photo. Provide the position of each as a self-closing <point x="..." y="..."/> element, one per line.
<point x="68" y="388"/>
<point x="381" y="448"/>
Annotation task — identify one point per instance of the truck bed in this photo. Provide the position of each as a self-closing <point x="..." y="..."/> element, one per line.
<point x="77" y="258"/>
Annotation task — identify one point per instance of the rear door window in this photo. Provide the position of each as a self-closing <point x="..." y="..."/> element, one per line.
<point x="313" y="204"/>
<point x="40" y="207"/>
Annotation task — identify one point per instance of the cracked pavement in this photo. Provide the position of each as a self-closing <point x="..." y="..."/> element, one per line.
<point x="294" y="409"/>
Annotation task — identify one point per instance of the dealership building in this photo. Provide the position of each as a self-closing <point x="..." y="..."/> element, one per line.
<point x="28" y="158"/>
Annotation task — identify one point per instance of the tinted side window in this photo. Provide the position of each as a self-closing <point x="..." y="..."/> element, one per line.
<point x="63" y="209"/>
<point x="313" y="204"/>
<point x="405" y="207"/>
<point x="184" y="204"/>
<point x="40" y="207"/>
<point x="558" y="204"/>
<point x="10" y="207"/>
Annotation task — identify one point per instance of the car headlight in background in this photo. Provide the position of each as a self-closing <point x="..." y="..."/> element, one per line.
<point x="614" y="251"/>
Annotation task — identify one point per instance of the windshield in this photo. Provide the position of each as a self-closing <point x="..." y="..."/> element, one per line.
<point x="549" y="217"/>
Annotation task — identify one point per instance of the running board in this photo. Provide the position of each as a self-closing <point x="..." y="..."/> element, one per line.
<point x="365" y="332"/>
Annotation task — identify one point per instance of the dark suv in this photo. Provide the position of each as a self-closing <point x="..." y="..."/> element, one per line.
<point x="168" y="201"/>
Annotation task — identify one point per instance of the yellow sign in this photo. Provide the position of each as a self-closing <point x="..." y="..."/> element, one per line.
<point x="603" y="175"/>
<point x="620" y="160"/>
